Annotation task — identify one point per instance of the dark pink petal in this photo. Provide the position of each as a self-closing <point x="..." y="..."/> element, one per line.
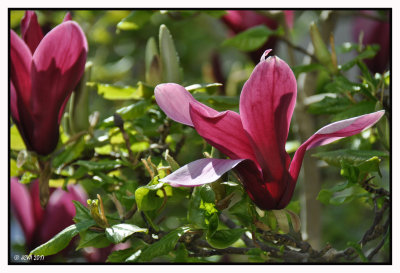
<point x="13" y="103"/>
<point x="21" y="60"/>
<point x="200" y="172"/>
<point x="21" y="204"/>
<point x="375" y="32"/>
<point x="67" y="17"/>
<point x="289" y="18"/>
<point x="174" y="100"/>
<point x="20" y="87"/>
<point x="31" y="31"/>
<point x="266" y="106"/>
<point x="60" y="210"/>
<point x="326" y="135"/>
<point x="224" y="131"/>
<point x="240" y="20"/>
<point x="58" y="65"/>
<point x="253" y="183"/>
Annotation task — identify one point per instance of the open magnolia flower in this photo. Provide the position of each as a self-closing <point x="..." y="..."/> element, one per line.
<point x="254" y="140"/>
<point x="44" y="72"/>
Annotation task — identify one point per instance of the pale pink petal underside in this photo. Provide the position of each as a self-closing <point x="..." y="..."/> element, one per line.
<point x="200" y="172"/>
<point x="326" y="135"/>
<point x="174" y="100"/>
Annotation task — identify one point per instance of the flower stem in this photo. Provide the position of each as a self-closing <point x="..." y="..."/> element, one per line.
<point x="45" y="172"/>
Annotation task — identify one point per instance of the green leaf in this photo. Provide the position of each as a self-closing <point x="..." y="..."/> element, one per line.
<point x="217" y="101"/>
<point x="146" y="197"/>
<point x="369" y="52"/>
<point x="321" y="51"/>
<point x="361" y="108"/>
<point x="195" y="214"/>
<point x="129" y="112"/>
<point x="353" y="157"/>
<point x="81" y="212"/>
<point x="250" y="39"/>
<point x="71" y="153"/>
<point x="207" y="194"/>
<point x="57" y="243"/>
<point x="297" y="70"/>
<point x="241" y="211"/>
<point x="27" y="177"/>
<point x="135" y="20"/>
<point x="213" y="223"/>
<point x="225" y="238"/>
<point x="341" y="84"/>
<point x="92" y="238"/>
<point x="120" y="256"/>
<point x="85" y="225"/>
<point x="325" y="195"/>
<point x="16" y="141"/>
<point x="162" y="247"/>
<point x="215" y="13"/>
<point x="14" y="170"/>
<point x="102" y="165"/>
<point x="114" y="92"/>
<point x="169" y="57"/>
<point x="118" y="233"/>
<point x="329" y="105"/>
<point x="198" y="86"/>
<point x="153" y="63"/>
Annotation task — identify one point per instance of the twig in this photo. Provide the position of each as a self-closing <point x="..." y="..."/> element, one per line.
<point x="298" y="48"/>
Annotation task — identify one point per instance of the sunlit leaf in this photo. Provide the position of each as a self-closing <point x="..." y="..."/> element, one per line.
<point x="57" y="243"/>
<point x="118" y="233"/>
<point x="250" y="39"/>
<point x="162" y="247"/>
<point x="135" y="20"/>
<point x="16" y="141"/>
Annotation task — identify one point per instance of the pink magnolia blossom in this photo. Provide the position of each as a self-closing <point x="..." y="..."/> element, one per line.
<point x="254" y="140"/>
<point x="40" y="225"/>
<point x="375" y="32"/>
<point x="44" y="72"/>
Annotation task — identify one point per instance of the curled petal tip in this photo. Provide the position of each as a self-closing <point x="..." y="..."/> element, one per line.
<point x="264" y="56"/>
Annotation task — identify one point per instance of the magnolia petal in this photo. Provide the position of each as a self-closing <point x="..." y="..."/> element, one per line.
<point x="289" y="18"/>
<point x="31" y="31"/>
<point x="20" y="86"/>
<point x="326" y="135"/>
<point x="21" y="204"/>
<point x="67" y="17"/>
<point x="21" y="59"/>
<point x="60" y="210"/>
<point x="174" y="100"/>
<point x="253" y="183"/>
<point x="224" y="131"/>
<point x="200" y="172"/>
<point x="13" y="103"/>
<point x="266" y="106"/>
<point x="58" y="64"/>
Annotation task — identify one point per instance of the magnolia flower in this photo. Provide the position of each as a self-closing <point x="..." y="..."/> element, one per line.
<point x="375" y="32"/>
<point x="40" y="225"/>
<point x="44" y="72"/>
<point x="254" y="140"/>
